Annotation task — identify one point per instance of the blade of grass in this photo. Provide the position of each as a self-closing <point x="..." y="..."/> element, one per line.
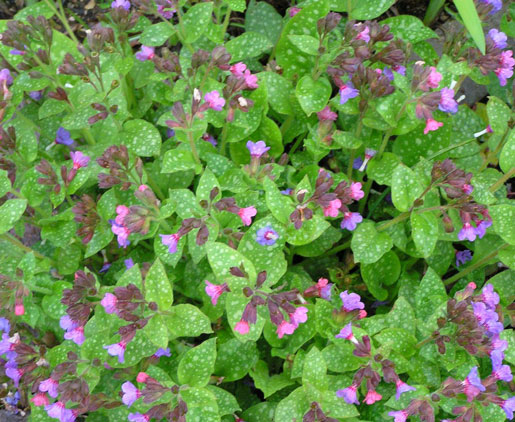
<point x="432" y="11"/>
<point x="468" y="13"/>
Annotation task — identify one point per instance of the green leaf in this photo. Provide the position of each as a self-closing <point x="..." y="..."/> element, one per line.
<point x="305" y="43"/>
<point x="186" y="320"/>
<point x="406" y="187"/>
<point x="266" y="383"/>
<point x="279" y="205"/>
<point x="385" y="271"/>
<point x="157" y="287"/>
<point x="196" y="20"/>
<point x="369" y="9"/>
<point x="382" y="170"/>
<point x="279" y="90"/>
<point x="472" y="22"/>
<point x="369" y="245"/>
<point x="313" y="95"/>
<point x="346" y="139"/>
<point x="409" y="28"/>
<point x="339" y="357"/>
<point x="397" y="339"/>
<point x="197" y="364"/>
<point x="503" y="217"/>
<point x="315" y="369"/>
<point x="36" y="9"/>
<point x="261" y="17"/>
<point x="206" y="184"/>
<point x="293" y="407"/>
<point x="311" y="229"/>
<point x="499" y="114"/>
<point x="235" y="359"/>
<point x="227" y="403"/>
<point x="507" y="158"/>
<point x="5" y="183"/>
<point x="157" y="34"/>
<point x="142" y="137"/>
<point x="429" y="295"/>
<point x="424" y="230"/>
<point x="236" y="5"/>
<point x="10" y="212"/>
<point x="178" y="159"/>
<point x="101" y="238"/>
<point x="248" y="45"/>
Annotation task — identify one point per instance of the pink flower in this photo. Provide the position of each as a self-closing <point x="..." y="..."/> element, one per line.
<point x="146" y="53"/>
<point x="214" y="100"/>
<point x="321" y="289"/>
<point x="257" y="149"/>
<point x="238" y="69"/>
<point x="434" y="78"/>
<point x="505" y="69"/>
<point x="299" y="316"/>
<point x="19" y="309"/>
<point x="327" y="115"/>
<point x="79" y="159"/>
<point x="49" y="386"/>
<point x="432" y="125"/>
<point x="166" y="11"/>
<point x="355" y="191"/>
<point x="346" y="333"/>
<point x="246" y="215"/>
<point x="138" y="417"/>
<point x="242" y="327"/>
<point x="364" y="33"/>
<point x="121" y="212"/>
<point x="40" y="399"/>
<point x="372" y="396"/>
<point x="130" y="393"/>
<point x="293" y="11"/>
<point x="170" y="240"/>
<point x="349" y="394"/>
<point x="142" y="377"/>
<point x="250" y="79"/>
<point x="333" y="208"/>
<point x="399" y="415"/>
<point x="109" y="303"/>
<point x="214" y="291"/>
<point x="285" y="327"/>
<point x="117" y="349"/>
<point x="351" y="220"/>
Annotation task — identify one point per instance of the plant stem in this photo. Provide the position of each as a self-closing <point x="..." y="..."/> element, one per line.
<point x="62" y="17"/>
<point x="494" y="153"/>
<point x="478" y="264"/>
<point x="17" y="243"/>
<point x="502" y="180"/>
<point x="338" y="249"/>
<point x="353" y="151"/>
<point x="154" y="185"/>
<point x="224" y="139"/>
<point x="444" y="150"/>
<point x="193" y="147"/>
<point x="378" y="201"/>
<point x="423" y="342"/>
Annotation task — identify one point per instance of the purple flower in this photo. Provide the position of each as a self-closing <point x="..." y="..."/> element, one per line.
<point x="400" y="69"/>
<point x="347" y="91"/>
<point x="348" y="394"/>
<point x="126" y="4"/>
<point x="503" y="372"/>
<point x="209" y="138"/>
<point x="16" y="52"/>
<point x="357" y="163"/>
<point x="482" y="226"/>
<point x="79" y="159"/>
<point x="109" y="303"/>
<point x="129" y="263"/>
<point x="447" y="102"/>
<point x="163" y="352"/>
<point x="130" y="393"/>
<point x="214" y="100"/>
<point x="257" y="149"/>
<point x="350" y="220"/>
<point x="483" y="314"/>
<point x="388" y="73"/>
<point x="473" y="384"/>
<point x="76" y="335"/>
<point x="5" y="326"/>
<point x="399" y="415"/>
<point x="138" y="417"/>
<point x="287" y="191"/>
<point x="49" y="386"/>
<point x="146" y="53"/>
<point x="351" y="301"/>
<point x="496" y="4"/>
<point x="499" y="38"/>
<point x="462" y="257"/>
<point x="402" y="387"/>
<point x="266" y="236"/>
<point x="5" y="77"/>
<point x="117" y="349"/>
<point x="170" y="133"/>
<point x="105" y="267"/>
<point x="58" y="410"/>
<point x="15" y="374"/>
<point x="63" y="137"/>
<point x="505" y="69"/>
<point x="347" y="334"/>
<point x="489" y="297"/>
<point x="170" y="240"/>
<point x="509" y="407"/>
<point x="7" y="344"/>
<point x="467" y="232"/>
<point x="121" y="232"/>
<point x="166" y="11"/>
<point x="36" y="95"/>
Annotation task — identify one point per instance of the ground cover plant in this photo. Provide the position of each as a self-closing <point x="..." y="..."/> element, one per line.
<point x="223" y="211"/>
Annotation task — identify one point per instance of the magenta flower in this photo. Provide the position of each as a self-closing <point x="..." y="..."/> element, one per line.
<point x="499" y="38"/>
<point x="160" y="353"/>
<point x="250" y="79"/>
<point x="472" y="384"/>
<point x="170" y="240"/>
<point x="63" y="137"/>
<point x="432" y="125"/>
<point x="505" y="69"/>
<point x="285" y="327"/>
<point x="467" y="232"/>
<point x="447" y="102"/>
<point x="126" y="4"/>
<point x="76" y="335"/>
<point x="266" y="236"/>
<point x="109" y="303"/>
<point x="5" y="78"/>
<point x="166" y="11"/>
<point x="142" y="376"/>
<point x="346" y="333"/>
<point x="122" y="211"/>
<point x="489" y="297"/>
<point x="434" y="78"/>
<point x="242" y="327"/>
<point x="347" y="91"/>
<point x="355" y="191"/>
<point x="138" y="417"/>
<point x="121" y="232"/>
<point x="214" y="100"/>
<point x="238" y="69"/>
<point x="130" y="393"/>
<point x="399" y="415"/>
<point x="214" y="291"/>
<point x="364" y="33"/>
<point x="351" y="301"/>
<point x="372" y="396"/>
<point x="349" y="394"/>
<point x="146" y="53"/>
<point x="400" y="69"/>
<point x="300" y="316"/>
<point x="49" y="386"/>
<point x="246" y="215"/>
<point x="327" y="115"/>
<point x="402" y="387"/>
<point x="117" y="349"/>
<point x="79" y="159"/>
<point x="40" y="399"/>
<point x="509" y="407"/>
<point x="462" y="257"/>
<point x="257" y="149"/>
<point x="324" y="288"/>
<point x="333" y="208"/>
<point x="293" y="11"/>
<point x="351" y="220"/>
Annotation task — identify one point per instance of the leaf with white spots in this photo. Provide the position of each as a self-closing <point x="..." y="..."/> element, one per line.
<point x="222" y="257"/>
<point x="197" y="364"/>
<point x="195" y="21"/>
<point x="235" y="359"/>
<point x="227" y="403"/>
<point x="321" y="244"/>
<point x="499" y="114"/>
<point x="101" y="238"/>
<point x="424" y="230"/>
<point x="202" y="405"/>
<point x="381" y="170"/>
<point x="157" y="34"/>
<point x="397" y="339"/>
<point x="305" y="43"/>
<point x="311" y="229"/>
<point x="339" y="357"/>
<point x="313" y="95"/>
<point x="269" y="384"/>
<point x="429" y="295"/>
<point x="5" y="183"/>
<point x="369" y="9"/>
<point x="482" y="183"/>
<point x="248" y="45"/>
<point x="409" y="28"/>
<point x="261" y="17"/>
<point x="503" y="218"/>
<point x="279" y="91"/>
<point x="406" y="187"/>
<point x="293" y="407"/>
<point x="507" y="158"/>
<point x="315" y="369"/>
<point x="141" y="137"/>
<point x="157" y="287"/>
<point x="279" y="205"/>
<point x="205" y="186"/>
<point x="385" y="271"/>
<point x="186" y="320"/>
<point x="10" y="212"/>
<point x="369" y="245"/>
<point x="402" y="316"/>
<point x="503" y="285"/>
<point x="186" y="203"/>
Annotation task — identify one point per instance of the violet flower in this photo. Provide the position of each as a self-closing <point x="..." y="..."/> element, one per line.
<point x="266" y="236"/>
<point x="462" y="257"/>
<point x="499" y="38"/>
<point x="146" y="53"/>
<point x="351" y="220"/>
<point x="257" y="149"/>
<point x="347" y="91"/>
<point x="214" y="100"/>
<point x="351" y="301"/>
<point x="170" y="240"/>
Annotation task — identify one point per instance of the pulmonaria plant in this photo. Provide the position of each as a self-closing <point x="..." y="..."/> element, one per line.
<point x="212" y="211"/>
